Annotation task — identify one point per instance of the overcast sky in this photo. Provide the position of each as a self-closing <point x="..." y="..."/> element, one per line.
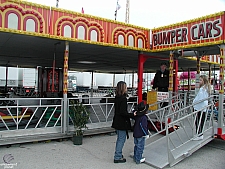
<point x="145" y="13"/>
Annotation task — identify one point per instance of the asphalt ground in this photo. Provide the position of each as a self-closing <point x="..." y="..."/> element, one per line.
<point x="97" y="152"/>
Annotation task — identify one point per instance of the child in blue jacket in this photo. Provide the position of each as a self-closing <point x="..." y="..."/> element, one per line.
<point x="140" y="131"/>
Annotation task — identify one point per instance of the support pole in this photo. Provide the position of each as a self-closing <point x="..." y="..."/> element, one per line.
<point x="132" y="83"/>
<point x="6" y="78"/>
<point x="170" y="89"/>
<point x="215" y="79"/>
<point x="141" y="61"/>
<point x="210" y="71"/>
<point x="189" y="86"/>
<point x="53" y="71"/>
<point x="92" y="82"/>
<point x="114" y="78"/>
<point x="221" y="94"/>
<point x="189" y="83"/>
<point x="197" y="75"/>
<point x="175" y="70"/>
<point x="147" y="81"/>
<point x="171" y="76"/>
<point x="53" y="68"/>
<point x="65" y="89"/>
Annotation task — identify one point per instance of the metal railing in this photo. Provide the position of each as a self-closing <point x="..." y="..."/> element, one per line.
<point x="24" y="114"/>
<point x="101" y="110"/>
<point x="156" y="118"/>
<point x="35" y="118"/>
<point x="181" y="132"/>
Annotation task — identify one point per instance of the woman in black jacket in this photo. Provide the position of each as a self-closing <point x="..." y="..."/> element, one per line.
<point x="121" y="120"/>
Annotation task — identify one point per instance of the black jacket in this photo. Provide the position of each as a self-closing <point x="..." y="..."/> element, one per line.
<point x="121" y="119"/>
<point x="161" y="81"/>
<point x="140" y="126"/>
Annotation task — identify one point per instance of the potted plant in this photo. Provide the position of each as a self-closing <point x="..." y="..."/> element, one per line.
<point x="79" y="116"/>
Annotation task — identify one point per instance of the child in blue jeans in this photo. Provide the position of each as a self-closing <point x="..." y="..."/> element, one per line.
<point x="140" y="131"/>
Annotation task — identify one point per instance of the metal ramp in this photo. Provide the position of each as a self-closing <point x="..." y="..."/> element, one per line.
<point x="156" y="153"/>
<point x="177" y="124"/>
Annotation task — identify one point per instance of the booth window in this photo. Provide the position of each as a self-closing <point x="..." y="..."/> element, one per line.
<point x="140" y="43"/>
<point x="121" y="40"/>
<point x="94" y="36"/>
<point x="67" y="31"/>
<point x="30" y="25"/>
<point x="131" y="40"/>
<point x="81" y="32"/>
<point x="12" y="21"/>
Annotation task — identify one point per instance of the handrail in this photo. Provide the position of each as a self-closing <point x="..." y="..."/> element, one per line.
<point x="184" y="135"/>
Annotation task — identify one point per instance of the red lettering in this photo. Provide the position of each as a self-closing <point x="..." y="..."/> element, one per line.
<point x="178" y="35"/>
<point x="201" y="33"/>
<point x="166" y="38"/>
<point x="208" y="33"/>
<point x="160" y="38"/>
<point x="173" y="34"/>
<point x="170" y="37"/>
<point x="210" y="29"/>
<point x="216" y="27"/>
<point x="193" y="37"/>
<point x="184" y="35"/>
<point x="154" y="39"/>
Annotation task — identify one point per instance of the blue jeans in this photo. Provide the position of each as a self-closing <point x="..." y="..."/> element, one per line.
<point x="121" y="138"/>
<point x="139" y="144"/>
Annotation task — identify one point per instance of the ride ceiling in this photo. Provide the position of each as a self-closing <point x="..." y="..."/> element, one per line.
<point x="39" y="48"/>
<point x="31" y="51"/>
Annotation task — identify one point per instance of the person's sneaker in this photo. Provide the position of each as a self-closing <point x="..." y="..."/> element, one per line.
<point x="122" y="160"/>
<point x="198" y="138"/>
<point x="142" y="160"/>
